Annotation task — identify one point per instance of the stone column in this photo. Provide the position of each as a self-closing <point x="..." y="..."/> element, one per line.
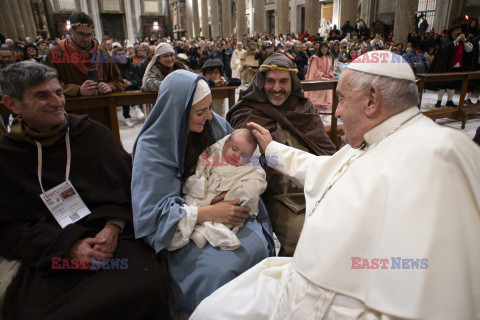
<point x="205" y="16"/>
<point x="196" y="19"/>
<point x="281" y="16"/>
<point x="404" y="19"/>
<point x="43" y="20"/>
<point x="189" y="18"/>
<point x="241" y="18"/>
<point x="3" y="30"/>
<point x="215" y="22"/>
<point x="96" y="20"/>
<point x="10" y="30"/>
<point x="84" y="6"/>
<point x="312" y="16"/>
<point x="129" y="19"/>
<point x="343" y="11"/>
<point x="17" y="16"/>
<point x="29" y="23"/>
<point x="226" y="20"/>
<point x="138" y="21"/>
<point x="368" y="12"/>
<point x="259" y="16"/>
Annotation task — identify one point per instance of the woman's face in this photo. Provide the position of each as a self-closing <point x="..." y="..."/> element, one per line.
<point x="199" y="114"/>
<point x="167" y="59"/>
<point x="324" y="50"/>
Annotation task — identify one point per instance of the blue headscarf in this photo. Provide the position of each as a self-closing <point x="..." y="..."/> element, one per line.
<point x="158" y="155"/>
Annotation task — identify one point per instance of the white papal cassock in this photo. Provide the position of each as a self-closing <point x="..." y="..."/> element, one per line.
<point x="410" y="194"/>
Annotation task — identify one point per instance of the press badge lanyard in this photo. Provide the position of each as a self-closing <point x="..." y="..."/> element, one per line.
<point x="341" y="169"/>
<point x="63" y="201"/>
<point x="69" y="159"/>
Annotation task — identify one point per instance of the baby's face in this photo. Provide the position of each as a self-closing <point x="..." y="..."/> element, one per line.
<point x="236" y="149"/>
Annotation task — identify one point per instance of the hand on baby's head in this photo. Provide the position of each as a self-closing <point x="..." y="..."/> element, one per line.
<point x="239" y="147"/>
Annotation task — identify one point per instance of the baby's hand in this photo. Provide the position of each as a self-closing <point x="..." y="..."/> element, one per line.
<point x="219" y="198"/>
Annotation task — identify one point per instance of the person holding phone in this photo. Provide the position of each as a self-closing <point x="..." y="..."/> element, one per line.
<point x="84" y="69"/>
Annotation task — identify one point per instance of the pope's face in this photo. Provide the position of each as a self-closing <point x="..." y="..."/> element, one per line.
<point x="351" y="105"/>
<point x="199" y="114"/>
<point x="278" y="86"/>
<point x="43" y="105"/>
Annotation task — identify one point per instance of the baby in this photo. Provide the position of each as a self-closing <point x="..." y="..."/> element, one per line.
<point x="225" y="166"/>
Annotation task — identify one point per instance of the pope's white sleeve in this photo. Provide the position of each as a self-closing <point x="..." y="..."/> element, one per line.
<point x="184" y="228"/>
<point x="290" y="161"/>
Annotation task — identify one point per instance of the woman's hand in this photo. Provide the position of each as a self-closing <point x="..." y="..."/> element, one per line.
<point x="227" y="212"/>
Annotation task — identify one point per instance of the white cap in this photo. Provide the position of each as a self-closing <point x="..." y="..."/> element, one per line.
<point x="383" y="63"/>
<point x="201" y="91"/>
<point x="163" y="48"/>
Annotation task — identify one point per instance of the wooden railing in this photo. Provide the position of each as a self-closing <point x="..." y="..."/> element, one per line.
<point x="104" y="108"/>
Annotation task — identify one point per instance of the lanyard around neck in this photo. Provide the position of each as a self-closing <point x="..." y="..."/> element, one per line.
<point x="69" y="159"/>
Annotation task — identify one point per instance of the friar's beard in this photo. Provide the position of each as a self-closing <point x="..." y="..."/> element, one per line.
<point x="277" y="104"/>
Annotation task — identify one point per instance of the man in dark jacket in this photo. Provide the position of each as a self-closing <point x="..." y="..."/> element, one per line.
<point x="131" y="78"/>
<point x="450" y="58"/>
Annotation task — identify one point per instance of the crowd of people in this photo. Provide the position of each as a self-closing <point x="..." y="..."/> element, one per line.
<point x="238" y="58"/>
<point x="184" y="227"/>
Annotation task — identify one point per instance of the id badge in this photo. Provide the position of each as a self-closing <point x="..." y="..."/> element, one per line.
<point x="65" y="204"/>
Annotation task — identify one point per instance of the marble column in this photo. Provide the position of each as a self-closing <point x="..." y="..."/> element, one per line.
<point x="84" y="6"/>
<point x="29" y="23"/>
<point x="10" y="30"/>
<point x="312" y="16"/>
<point x="281" y="16"/>
<point x="3" y="30"/>
<point x="215" y="21"/>
<point x="241" y="18"/>
<point x="18" y="18"/>
<point x="343" y="11"/>
<point x="226" y="18"/>
<point x="196" y="19"/>
<point x="404" y="20"/>
<point x="129" y="19"/>
<point x="368" y="12"/>
<point x="96" y="20"/>
<point x="205" y="16"/>
<point x="259" y="16"/>
<point x="138" y="21"/>
<point x="189" y="18"/>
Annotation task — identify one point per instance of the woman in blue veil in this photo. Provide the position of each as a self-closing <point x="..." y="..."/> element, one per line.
<point x="165" y="154"/>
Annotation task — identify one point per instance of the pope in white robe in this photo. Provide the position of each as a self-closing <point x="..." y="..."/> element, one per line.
<point x="392" y="226"/>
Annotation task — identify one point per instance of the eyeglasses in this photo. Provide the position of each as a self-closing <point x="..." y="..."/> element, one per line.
<point x="84" y="35"/>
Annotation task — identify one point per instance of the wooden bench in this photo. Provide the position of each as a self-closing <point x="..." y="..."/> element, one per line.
<point x="104" y="108"/>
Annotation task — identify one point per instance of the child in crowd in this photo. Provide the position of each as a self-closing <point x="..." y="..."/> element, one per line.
<point x="213" y="70"/>
<point x="226" y="166"/>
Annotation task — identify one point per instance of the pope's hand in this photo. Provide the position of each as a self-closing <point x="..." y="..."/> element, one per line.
<point x="263" y="135"/>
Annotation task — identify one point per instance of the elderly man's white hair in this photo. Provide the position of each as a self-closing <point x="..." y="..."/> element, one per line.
<point x="397" y="94"/>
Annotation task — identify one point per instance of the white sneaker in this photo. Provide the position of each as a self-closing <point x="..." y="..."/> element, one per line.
<point x="139" y="114"/>
<point x="129" y="123"/>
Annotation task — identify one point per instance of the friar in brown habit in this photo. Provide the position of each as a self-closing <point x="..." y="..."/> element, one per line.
<point x="275" y="100"/>
<point x="90" y="267"/>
